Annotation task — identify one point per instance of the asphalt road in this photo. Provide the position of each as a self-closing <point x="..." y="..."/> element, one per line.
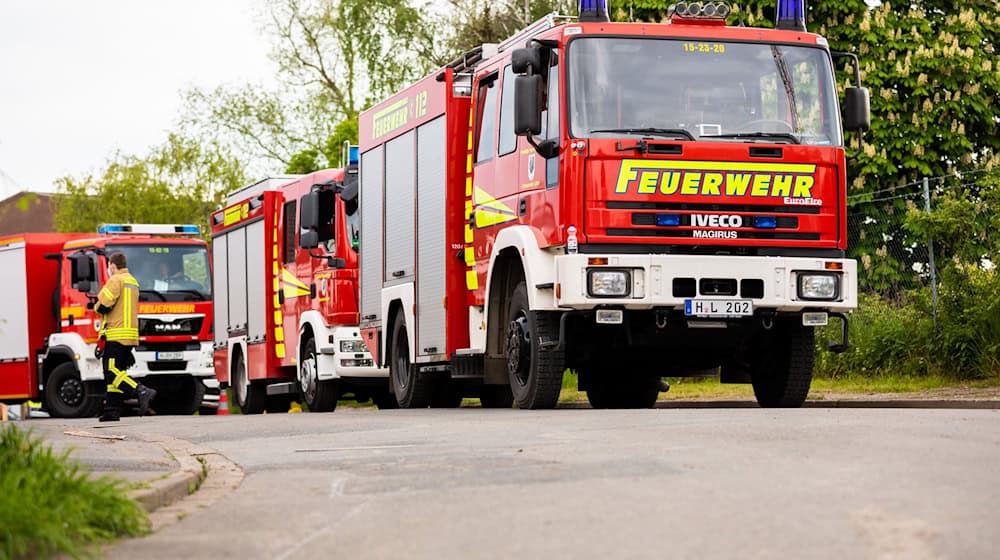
<point x="471" y="483"/>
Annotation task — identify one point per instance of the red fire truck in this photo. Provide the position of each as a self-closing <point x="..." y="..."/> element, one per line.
<point x="49" y="330"/>
<point x="627" y="200"/>
<point x="286" y="269"/>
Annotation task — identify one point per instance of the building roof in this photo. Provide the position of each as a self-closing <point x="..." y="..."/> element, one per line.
<point x="27" y="212"/>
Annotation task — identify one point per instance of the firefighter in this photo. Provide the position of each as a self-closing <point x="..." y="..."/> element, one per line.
<point x="117" y="302"/>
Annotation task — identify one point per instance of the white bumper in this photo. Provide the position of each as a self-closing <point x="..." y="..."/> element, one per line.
<point x="198" y="363"/>
<point x="652" y="280"/>
<point x="332" y="363"/>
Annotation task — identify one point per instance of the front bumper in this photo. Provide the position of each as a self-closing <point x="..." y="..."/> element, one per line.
<point x="195" y="362"/>
<point x="333" y="363"/>
<point x="664" y="281"/>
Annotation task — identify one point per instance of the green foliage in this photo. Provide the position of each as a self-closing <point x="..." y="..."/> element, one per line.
<point x="48" y="507"/>
<point x="336" y="58"/>
<point x="181" y="181"/>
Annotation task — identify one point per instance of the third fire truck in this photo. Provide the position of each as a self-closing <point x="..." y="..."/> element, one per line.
<point x="627" y="200"/>
<point x="285" y="254"/>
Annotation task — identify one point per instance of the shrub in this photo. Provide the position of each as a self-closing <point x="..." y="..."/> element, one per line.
<point x="47" y="506"/>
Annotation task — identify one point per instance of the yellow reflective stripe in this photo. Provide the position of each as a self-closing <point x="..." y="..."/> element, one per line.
<point x="107" y="293"/>
<point x="120" y="376"/>
<point x="114" y="389"/>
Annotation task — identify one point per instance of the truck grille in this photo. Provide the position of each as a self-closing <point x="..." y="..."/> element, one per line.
<point x="159" y="327"/>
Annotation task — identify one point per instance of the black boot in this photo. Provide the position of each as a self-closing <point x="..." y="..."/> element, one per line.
<point x="144" y="395"/>
<point x="110" y="414"/>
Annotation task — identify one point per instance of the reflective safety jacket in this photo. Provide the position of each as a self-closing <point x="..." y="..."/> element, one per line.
<point x="121" y="295"/>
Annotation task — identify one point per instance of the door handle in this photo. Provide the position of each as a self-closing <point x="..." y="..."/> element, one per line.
<point x="522" y="208"/>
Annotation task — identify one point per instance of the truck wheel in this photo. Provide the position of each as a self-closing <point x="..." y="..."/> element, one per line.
<point x="639" y="391"/>
<point x="319" y="396"/>
<point x="185" y="399"/>
<point x="632" y="388"/>
<point x="411" y="390"/>
<point x="496" y="396"/>
<point x="782" y="372"/>
<point x="535" y="373"/>
<point x="249" y="398"/>
<point x="66" y="396"/>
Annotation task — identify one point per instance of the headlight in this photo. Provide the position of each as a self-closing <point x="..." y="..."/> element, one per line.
<point x="353" y="346"/>
<point x="609" y="283"/>
<point x="820" y="286"/>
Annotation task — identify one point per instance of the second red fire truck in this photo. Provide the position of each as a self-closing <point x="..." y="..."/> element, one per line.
<point x="626" y="200"/>
<point x="286" y="266"/>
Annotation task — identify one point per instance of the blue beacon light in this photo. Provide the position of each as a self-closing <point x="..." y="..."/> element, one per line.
<point x="792" y="15"/>
<point x="594" y="10"/>
<point x="352" y="155"/>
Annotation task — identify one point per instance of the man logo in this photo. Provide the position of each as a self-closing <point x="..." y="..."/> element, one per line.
<point x="716" y="220"/>
<point x="168" y="327"/>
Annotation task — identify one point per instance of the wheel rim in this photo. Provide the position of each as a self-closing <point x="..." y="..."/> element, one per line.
<point x="240" y="385"/>
<point x="519" y="349"/>
<point x="309" y="378"/>
<point x="402" y="360"/>
<point x="71" y="392"/>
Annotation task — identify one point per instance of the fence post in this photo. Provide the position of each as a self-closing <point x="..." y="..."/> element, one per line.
<point x="930" y="253"/>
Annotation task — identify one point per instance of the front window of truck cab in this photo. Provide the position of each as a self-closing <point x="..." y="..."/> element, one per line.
<point x="168" y="273"/>
<point x="706" y="90"/>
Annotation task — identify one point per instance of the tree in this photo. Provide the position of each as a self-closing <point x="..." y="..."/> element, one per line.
<point x="181" y="181"/>
<point x="336" y="58"/>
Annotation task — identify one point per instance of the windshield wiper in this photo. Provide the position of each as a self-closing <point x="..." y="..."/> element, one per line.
<point x="762" y="135"/>
<point x="666" y="132"/>
<point x="200" y="295"/>
<point x="779" y="60"/>
<point x="158" y="294"/>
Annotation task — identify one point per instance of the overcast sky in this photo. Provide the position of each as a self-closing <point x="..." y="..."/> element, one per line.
<point x="81" y="79"/>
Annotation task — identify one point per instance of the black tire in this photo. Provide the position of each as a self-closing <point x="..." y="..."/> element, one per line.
<point x="535" y="373"/>
<point x="183" y="400"/>
<point x="411" y="389"/>
<point x="66" y="396"/>
<point x="251" y="398"/>
<point x="496" y="396"/>
<point x="319" y="396"/>
<point x="782" y="371"/>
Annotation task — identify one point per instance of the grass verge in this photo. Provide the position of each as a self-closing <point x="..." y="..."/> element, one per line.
<point x="710" y="388"/>
<point x="48" y="506"/>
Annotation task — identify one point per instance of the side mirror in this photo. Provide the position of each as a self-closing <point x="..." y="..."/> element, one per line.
<point x="83" y="268"/>
<point x="526" y="60"/>
<point x="548" y="149"/>
<point x="336" y="262"/>
<point x="309" y="211"/>
<point x="84" y="286"/>
<point x="528" y="105"/>
<point x="308" y="239"/>
<point x="857" y="109"/>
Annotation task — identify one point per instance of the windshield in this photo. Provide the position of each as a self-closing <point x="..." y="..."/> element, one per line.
<point x="736" y="92"/>
<point x="169" y="272"/>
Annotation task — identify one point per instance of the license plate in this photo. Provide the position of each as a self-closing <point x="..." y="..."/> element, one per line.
<point x="169" y="356"/>
<point x="718" y="307"/>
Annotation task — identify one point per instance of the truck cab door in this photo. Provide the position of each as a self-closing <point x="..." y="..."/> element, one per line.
<point x="77" y="291"/>
<point x="494" y="186"/>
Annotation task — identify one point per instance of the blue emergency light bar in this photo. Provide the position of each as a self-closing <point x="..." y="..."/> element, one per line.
<point x="594" y="10"/>
<point x="352" y="155"/>
<point x="148" y="229"/>
<point x="792" y="15"/>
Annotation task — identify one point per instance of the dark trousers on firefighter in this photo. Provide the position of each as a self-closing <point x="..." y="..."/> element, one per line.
<point x="117" y="359"/>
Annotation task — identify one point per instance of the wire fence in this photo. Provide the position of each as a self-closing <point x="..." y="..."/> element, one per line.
<point x="892" y="258"/>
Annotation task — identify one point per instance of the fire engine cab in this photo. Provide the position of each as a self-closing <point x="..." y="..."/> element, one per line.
<point x="49" y="330"/>
<point x="286" y="267"/>
<point x="627" y="200"/>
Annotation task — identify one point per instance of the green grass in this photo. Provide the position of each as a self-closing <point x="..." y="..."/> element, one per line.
<point x="710" y="388"/>
<point x="49" y="507"/>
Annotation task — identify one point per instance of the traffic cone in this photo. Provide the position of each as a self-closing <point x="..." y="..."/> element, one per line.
<point x="223" y="403"/>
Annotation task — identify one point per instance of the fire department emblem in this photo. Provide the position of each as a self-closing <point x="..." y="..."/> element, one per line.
<point x="531" y="167"/>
